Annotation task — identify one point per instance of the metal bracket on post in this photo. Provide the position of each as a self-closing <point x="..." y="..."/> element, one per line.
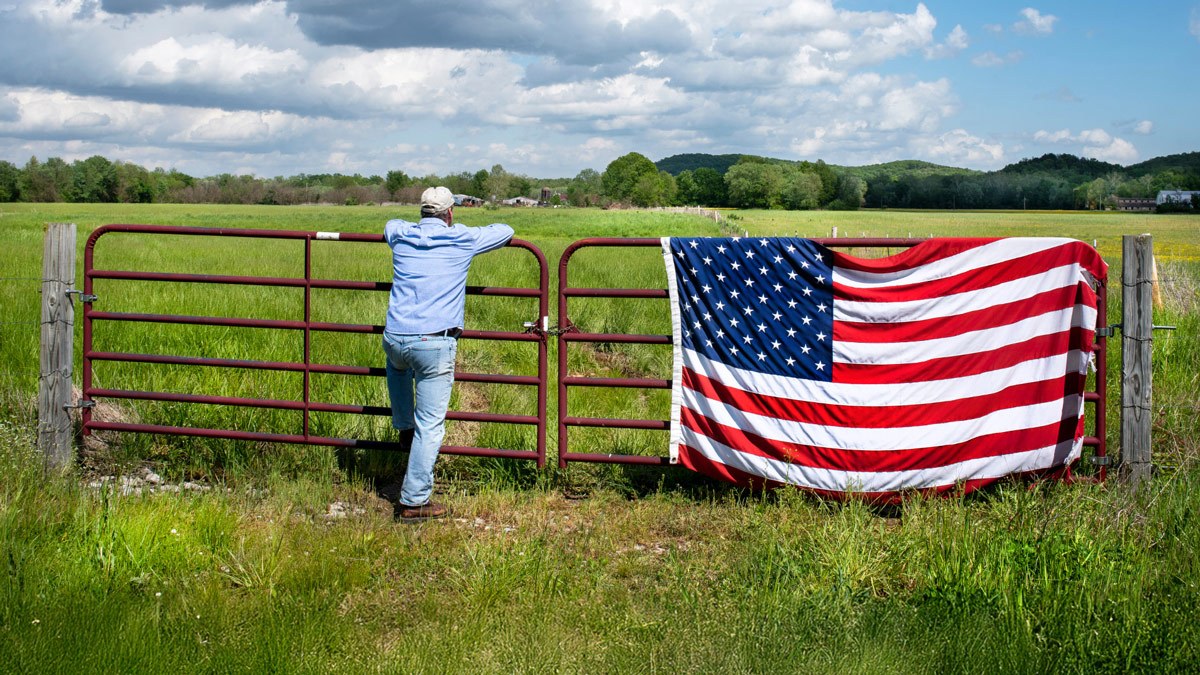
<point x="84" y="403"/>
<point x="1108" y="331"/>
<point x="83" y="297"/>
<point x="1101" y="461"/>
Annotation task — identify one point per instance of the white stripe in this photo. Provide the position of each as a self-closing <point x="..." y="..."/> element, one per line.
<point x="1002" y="250"/>
<point x="957" y="304"/>
<point x="885" y="481"/>
<point x="677" y="348"/>
<point x="897" y="437"/>
<point x="974" y="342"/>
<point x="913" y="393"/>
<point x="329" y="235"/>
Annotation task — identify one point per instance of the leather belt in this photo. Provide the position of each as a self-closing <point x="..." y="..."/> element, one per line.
<point x="449" y="332"/>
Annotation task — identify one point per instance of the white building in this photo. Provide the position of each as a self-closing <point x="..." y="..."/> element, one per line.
<point x="1176" y="196"/>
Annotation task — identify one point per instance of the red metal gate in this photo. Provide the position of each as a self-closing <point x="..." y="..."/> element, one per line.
<point x="534" y="332"/>
<point x="570" y="333"/>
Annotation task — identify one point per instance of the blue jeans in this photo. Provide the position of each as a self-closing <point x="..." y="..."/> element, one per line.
<point x="420" y="373"/>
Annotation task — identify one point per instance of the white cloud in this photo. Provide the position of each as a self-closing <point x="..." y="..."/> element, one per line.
<point x="1144" y="128"/>
<point x="1034" y="22"/>
<point x="955" y="42"/>
<point x="960" y="147"/>
<point x="1053" y="136"/>
<point x="1117" y="151"/>
<point x="990" y="59"/>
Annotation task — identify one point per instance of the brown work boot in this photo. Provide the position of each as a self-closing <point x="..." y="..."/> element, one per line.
<point x="410" y="514"/>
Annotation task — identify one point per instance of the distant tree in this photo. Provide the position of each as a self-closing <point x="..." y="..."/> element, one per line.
<point x="498" y="184"/>
<point x="395" y="182"/>
<point x="710" y="187"/>
<point x="654" y="189"/>
<point x="685" y="192"/>
<point x="623" y="175"/>
<point x="585" y="188"/>
<point x="850" y="194"/>
<point x="9" y="188"/>
<point x="801" y="190"/>
<point x="45" y="182"/>
<point x="94" y="180"/>
<point x="479" y="183"/>
<point x="755" y="185"/>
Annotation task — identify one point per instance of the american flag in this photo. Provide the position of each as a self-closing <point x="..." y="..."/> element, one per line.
<point x="949" y="365"/>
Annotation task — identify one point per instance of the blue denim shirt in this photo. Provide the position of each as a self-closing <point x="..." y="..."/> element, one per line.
<point x="430" y="263"/>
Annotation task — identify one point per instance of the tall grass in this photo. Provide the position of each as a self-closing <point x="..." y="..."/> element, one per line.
<point x="654" y="571"/>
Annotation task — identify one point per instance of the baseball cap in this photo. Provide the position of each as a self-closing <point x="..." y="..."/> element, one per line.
<point x="436" y="199"/>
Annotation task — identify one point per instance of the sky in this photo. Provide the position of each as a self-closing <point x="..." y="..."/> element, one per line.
<point x="548" y="88"/>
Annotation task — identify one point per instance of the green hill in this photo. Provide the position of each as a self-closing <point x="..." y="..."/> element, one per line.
<point x="677" y="164"/>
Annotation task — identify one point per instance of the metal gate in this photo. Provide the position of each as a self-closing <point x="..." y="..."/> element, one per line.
<point x="534" y="331"/>
<point x="569" y="333"/>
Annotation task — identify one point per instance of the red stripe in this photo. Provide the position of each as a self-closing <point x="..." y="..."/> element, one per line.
<point x="884" y="415"/>
<point x="967" y="322"/>
<point x="974" y="279"/>
<point x="878" y="461"/>
<point x="926" y="252"/>
<point x="948" y="367"/>
<point x="694" y="460"/>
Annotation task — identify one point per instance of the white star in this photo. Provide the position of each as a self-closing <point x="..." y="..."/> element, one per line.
<point x="791" y="361"/>
<point x="748" y="311"/>
<point x="733" y="323"/>
<point x="736" y="266"/>
<point x="807" y="291"/>
<point x="792" y="275"/>
<point x="693" y="243"/>
<point x="804" y="264"/>
<point x="736" y="239"/>
<point x="762" y="299"/>
<point x="695" y="298"/>
<point x="762" y="270"/>
<point x="807" y="320"/>
<point x="778" y="287"/>
<point x="792" y="304"/>
<point x="791" y="332"/>
<point x="720" y="333"/>
<point x="762" y="356"/>
<point x="791" y="249"/>
<point x="734" y="295"/>
<point x="733" y="350"/>
<point x="720" y="306"/>
<point x="720" y="277"/>
<point x="819" y="257"/>
<point x="821" y="307"/>
<point x="750" y="253"/>
<point x="696" y="325"/>
<point x="762" y="327"/>
<point x="762" y="242"/>
<point x="821" y="337"/>
<point x="820" y="365"/>
<point x="775" y="344"/>
<point x="746" y="339"/>
<point x="778" y="259"/>
<point x="707" y="316"/>
<point x="707" y="260"/>
<point x="679" y="253"/>
<point x="806" y="349"/>
<point x="706" y="288"/>
<point x="749" y="282"/>
<point x="721" y="248"/>
<point x="820" y="278"/>
<point x="708" y="343"/>
<point x="777" y="316"/>
<point x="695" y="271"/>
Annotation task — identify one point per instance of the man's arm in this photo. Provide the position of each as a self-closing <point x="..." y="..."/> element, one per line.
<point x="492" y="237"/>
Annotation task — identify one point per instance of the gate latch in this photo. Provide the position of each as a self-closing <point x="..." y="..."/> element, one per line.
<point x="82" y="404"/>
<point x="83" y="297"/>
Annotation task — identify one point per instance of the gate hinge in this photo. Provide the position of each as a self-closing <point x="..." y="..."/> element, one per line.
<point x="1101" y="461"/>
<point x="1108" y="331"/>
<point x="84" y="403"/>
<point x="83" y="297"/>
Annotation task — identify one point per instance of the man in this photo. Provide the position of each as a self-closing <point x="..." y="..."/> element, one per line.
<point x="430" y="259"/>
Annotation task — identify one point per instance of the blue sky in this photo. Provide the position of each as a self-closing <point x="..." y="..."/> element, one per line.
<point x="550" y="88"/>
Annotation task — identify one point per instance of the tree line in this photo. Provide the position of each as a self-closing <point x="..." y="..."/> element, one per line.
<point x="741" y="181"/>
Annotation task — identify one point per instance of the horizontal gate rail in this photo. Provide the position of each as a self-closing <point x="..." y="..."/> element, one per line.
<point x="533" y="333"/>
<point x="571" y="333"/>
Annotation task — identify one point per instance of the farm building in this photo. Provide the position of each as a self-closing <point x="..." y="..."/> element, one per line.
<point x="467" y="200"/>
<point x="520" y="201"/>
<point x="1136" y="203"/>
<point x="1176" y="196"/>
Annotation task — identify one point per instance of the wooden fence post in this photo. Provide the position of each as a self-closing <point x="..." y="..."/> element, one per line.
<point x="1136" y="329"/>
<point x="55" y="435"/>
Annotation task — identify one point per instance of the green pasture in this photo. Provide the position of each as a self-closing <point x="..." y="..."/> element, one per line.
<point x="599" y="568"/>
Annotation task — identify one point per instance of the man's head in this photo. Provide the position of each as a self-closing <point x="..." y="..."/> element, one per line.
<point x="436" y="202"/>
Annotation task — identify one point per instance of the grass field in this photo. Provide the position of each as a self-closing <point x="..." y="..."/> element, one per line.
<point x="650" y="571"/>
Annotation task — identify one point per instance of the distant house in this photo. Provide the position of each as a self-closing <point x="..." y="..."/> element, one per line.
<point x="1176" y="196"/>
<point x="520" y="201"/>
<point x="467" y="200"/>
<point x="1136" y="203"/>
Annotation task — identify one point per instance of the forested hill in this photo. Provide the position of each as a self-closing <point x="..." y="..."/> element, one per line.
<point x="1069" y="167"/>
<point x="677" y="164"/>
<point x="1188" y="162"/>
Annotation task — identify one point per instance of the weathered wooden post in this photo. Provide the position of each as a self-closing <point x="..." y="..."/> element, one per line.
<point x="1136" y="329"/>
<point x="55" y="436"/>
